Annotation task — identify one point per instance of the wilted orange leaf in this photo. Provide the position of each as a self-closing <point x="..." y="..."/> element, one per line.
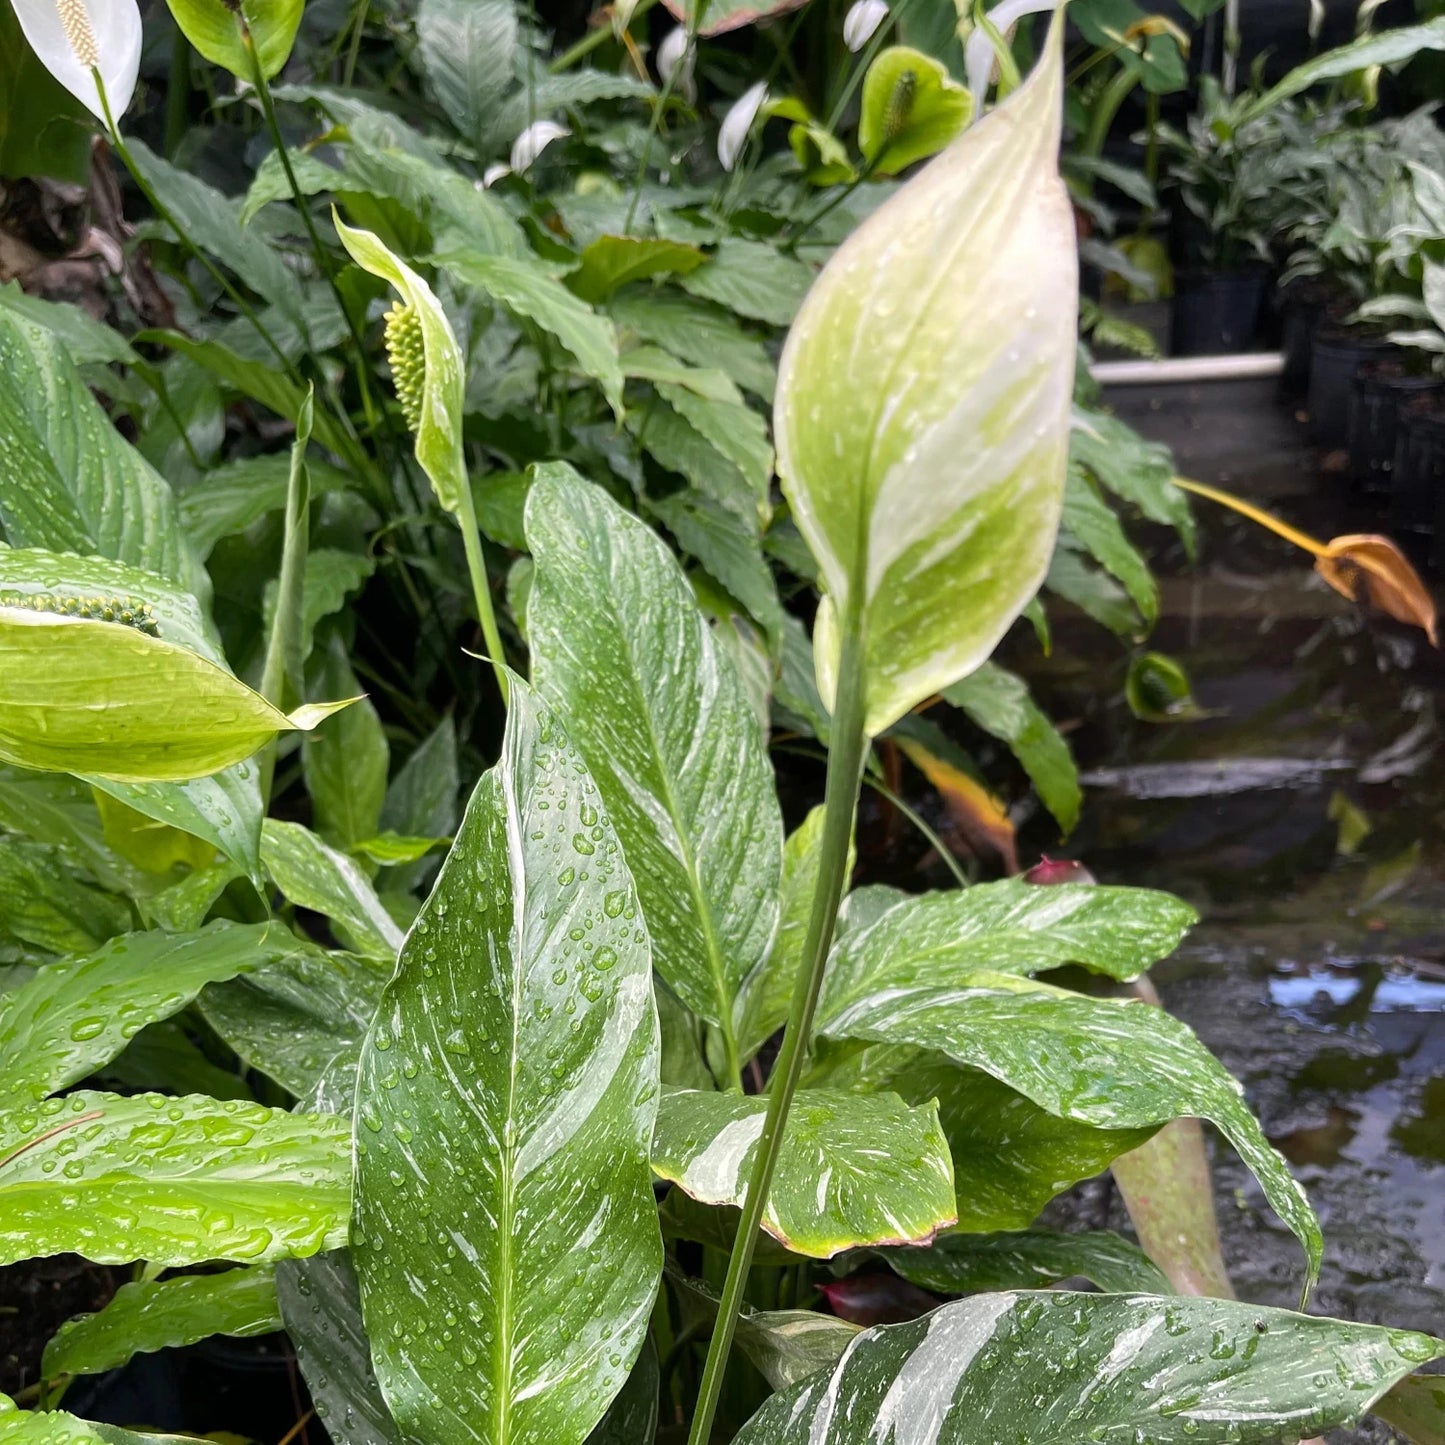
<point x="1372" y="569"/>
<point x="1360" y="566"/>
<point x="979" y="815"/>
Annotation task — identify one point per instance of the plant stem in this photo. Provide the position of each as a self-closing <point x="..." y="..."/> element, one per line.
<point x="599" y="35"/>
<point x="482" y="591"/>
<point x="216" y="274"/>
<point x="283" y="647"/>
<point x="1105" y="109"/>
<point x="845" y="767"/>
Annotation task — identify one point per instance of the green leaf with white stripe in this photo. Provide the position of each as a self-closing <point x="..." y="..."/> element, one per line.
<point x="622" y="649"/>
<point x="174" y="1181"/>
<point x="923" y="405"/>
<point x="78" y="1014"/>
<point x="855" y="1169"/>
<point x="1008" y="927"/>
<point x="1107" y="1063"/>
<point x="1055" y="1368"/>
<point x="505" y="1103"/>
<point x="148" y="1315"/>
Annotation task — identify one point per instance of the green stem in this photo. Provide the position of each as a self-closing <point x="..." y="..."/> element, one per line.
<point x="283" y="648"/>
<point x="845" y="767"/>
<point x="211" y="268"/>
<point x="600" y="35"/>
<point x="323" y="257"/>
<point x="1105" y="109"/>
<point x="482" y="591"/>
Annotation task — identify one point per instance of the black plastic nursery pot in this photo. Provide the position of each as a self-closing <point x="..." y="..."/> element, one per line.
<point x="1379" y="393"/>
<point x="1417" y="497"/>
<point x="1217" y="312"/>
<point x="1338" y="355"/>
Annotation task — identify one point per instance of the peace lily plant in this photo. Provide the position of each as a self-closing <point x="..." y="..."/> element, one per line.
<point x="541" y="1144"/>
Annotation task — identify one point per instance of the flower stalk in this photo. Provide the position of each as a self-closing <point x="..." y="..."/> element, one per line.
<point x="840" y="805"/>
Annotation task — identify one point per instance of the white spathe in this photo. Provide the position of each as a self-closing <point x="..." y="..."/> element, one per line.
<point x="533" y="141"/>
<point x="676" y="60"/>
<point x="75" y="38"/>
<point x="978" y="56"/>
<point x="737" y="124"/>
<point x="861" y="23"/>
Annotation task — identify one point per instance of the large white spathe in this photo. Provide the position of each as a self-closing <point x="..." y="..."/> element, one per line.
<point x="74" y="38"/>
<point x="922" y="413"/>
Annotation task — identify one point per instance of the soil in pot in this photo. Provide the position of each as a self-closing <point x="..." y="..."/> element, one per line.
<point x="36" y="1298"/>
<point x="1339" y="353"/>
<point x="1379" y="391"/>
<point x="1217" y="312"/>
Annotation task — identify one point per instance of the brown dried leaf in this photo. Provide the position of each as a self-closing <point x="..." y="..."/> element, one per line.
<point x="1372" y="569"/>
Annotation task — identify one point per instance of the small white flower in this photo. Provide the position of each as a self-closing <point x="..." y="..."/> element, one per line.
<point x="737" y="124"/>
<point x="74" y="38"/>
<point x="493" y="174"/>
<point x="861" y="23"/>
<point x="978" y="56"/>
<point x="533" y="141"/>
<point x="676" y="58"/>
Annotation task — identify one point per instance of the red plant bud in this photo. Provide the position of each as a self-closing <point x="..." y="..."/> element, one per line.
<point x="1059" y="870"/>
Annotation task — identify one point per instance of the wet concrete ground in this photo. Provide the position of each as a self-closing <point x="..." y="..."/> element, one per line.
<point x="1318" y="973"/>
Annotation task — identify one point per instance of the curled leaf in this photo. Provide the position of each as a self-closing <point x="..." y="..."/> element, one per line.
<point x="1372" y="569"/>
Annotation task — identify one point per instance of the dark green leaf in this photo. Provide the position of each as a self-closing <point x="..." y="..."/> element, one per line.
<point x="611" y="262"/>
<point x="753" y="279"/>
<point x="292" y="1019"/>
<point x="68" y="481"/>
<point x="1096" y="529"/>
<point x="346" y="759"/>
<point x="149" y="1315"/>
<point x="999" y="703"/>
<point x="532" y="293"/>
<point x="1028" y="1259"/>
<point x="466" y="49"/>
<point x="699" y="333"/>
<point x="321" y="1305"/>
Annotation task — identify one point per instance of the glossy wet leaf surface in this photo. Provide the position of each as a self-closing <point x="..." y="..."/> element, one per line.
<point x="620" y="645"/>
<point x="147" y="1315"/>
<point x="77" y="1014"/>
<point x="854" y="1168"/>
<point x="504" y="1107"/>
<point x="314" y="875"/>
<point x="321" y="1306"/>
<point x="1028" y="1258"/>
<point x="174" y="1181"/>
<point x="69" y="481"/>
<point x="1100" y="1062"/>
<point x="1007" y="927"/>
<point x="1056" y="1368"/>
<point x="293" y="1017"/>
